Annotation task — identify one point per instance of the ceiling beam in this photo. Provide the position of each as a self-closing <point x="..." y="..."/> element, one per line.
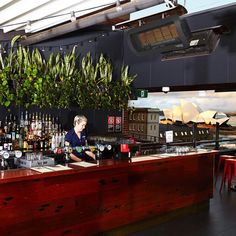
<point x="178" y="10"/>
<point x="95" y="19"/>
<point x="9" y="36"/>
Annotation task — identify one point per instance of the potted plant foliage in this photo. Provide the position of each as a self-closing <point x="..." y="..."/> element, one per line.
<point x="28" y="79"/>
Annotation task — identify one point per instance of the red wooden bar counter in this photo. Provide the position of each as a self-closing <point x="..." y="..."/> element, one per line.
<point x="86" y="201"/>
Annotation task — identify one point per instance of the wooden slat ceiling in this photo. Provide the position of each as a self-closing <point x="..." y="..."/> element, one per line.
<point x="45" y="19"/>
<point x="44" y="14"/>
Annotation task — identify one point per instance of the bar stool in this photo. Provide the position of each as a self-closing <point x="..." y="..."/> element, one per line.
<point x="230" y="170"/>
<point x="221" y="160"/>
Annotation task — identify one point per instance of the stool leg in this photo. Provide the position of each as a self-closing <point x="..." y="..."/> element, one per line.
<point x="223" y="177"/>
<point x="218" y="169"/>
<point x="235" y="169"/>
<point x="229" y="176"/>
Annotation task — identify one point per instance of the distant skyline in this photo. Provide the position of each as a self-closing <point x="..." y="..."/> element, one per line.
<point x="205" y="100"/>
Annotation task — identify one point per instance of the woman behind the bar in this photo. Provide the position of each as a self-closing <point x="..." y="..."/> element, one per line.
<point x="77" y="137"/>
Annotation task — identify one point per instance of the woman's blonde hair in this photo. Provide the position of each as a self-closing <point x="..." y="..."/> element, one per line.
<point x="79" y="118"/>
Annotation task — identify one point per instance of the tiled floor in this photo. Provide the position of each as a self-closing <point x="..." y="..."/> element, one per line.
<point x="219" y="220"/>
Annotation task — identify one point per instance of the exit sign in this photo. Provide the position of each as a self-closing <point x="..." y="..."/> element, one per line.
<point x="142" y="93"/>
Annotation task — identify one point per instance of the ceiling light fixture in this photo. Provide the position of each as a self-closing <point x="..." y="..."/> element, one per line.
<point x="170" y="3"/>
<point x="118" y="6"/>
<point x="28" y="26"/>
<point x="72" y="16"/>
<point x="165" y="89"/>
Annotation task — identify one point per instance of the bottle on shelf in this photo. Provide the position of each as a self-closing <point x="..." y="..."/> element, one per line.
<point x="22" y="121"/>
<point x="2" y="131"/>
<point x="9" y="124"/>
<point x="49" y="124"/>
<point x="2" y="135"/>
<point x="26" y="119"/>
<point x="6" y="124"/>
<point x="13" y="128"/>
<point x="33" y="125"/>
<point x="5" y="142"/>
<point x="33" y="131"/>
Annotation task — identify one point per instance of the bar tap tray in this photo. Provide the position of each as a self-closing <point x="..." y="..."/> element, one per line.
<point x="45" y="161"/>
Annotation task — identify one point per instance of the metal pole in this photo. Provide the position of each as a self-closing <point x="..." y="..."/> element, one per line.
<point x="217" y="136"/>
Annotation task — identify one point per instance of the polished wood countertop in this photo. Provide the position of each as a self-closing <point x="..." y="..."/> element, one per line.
<point x="26" y="173"/>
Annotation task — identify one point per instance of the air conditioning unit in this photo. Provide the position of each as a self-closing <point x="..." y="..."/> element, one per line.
<point x="202" y="42"/>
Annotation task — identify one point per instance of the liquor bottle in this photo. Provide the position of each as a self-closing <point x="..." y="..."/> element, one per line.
<point x="15" y="142"/>
<point x="2" y="131"/>
<point x="30" y="135"/>
<point x="43" y="120"/>
<point x="53" y="142"/>
<point x="39" y="129"/>
<point x="9" y="124"/>
<point x="49" y="124"/>
<point x="56" y="139"/>
<point x="22" y="122"/>
<point x="46" y="143"/>
<point x="14" y="122"/>
<point x="6" y="124"/>
<point x="30" y="144"/>
<point x="42" y="125"/>
<point x="36" y="121"/>
<point x="33" y="125"/>
<point x="46" y="124"/>
<point x="9" y="143"/>
<point x="25" y="145"/>
<point x="29" y="120"/>
<point x="52" y="120"/>
<point x="57" y="124"/>
<point x="1" y="142"/>
<point x="21" y="137"/>
<point x="36" y="145"/>
<point x="62" y="139"/>
<point x="26" y="119"/>
<point x="4" y="142"/>
<point x="41" y="144"/>
<point x="13" y="128"/>
<point x="26" y="127"/>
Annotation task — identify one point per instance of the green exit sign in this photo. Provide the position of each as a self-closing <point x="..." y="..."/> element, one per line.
<point x="142" y="93"/>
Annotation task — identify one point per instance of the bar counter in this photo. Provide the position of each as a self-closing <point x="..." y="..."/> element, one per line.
<point x="88" y="201"/>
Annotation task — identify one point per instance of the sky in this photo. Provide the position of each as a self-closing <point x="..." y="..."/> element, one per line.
<point x="192" y="6"/>
<point x="199" y="5"/>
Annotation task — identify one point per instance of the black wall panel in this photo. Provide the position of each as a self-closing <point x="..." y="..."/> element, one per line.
<point x="232" y="68"/>
<point x="216" y="68"/>
<point x="168" y="73"/>
<point x="111" y="45"/>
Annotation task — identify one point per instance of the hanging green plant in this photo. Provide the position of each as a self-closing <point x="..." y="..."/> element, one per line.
<point x="96" y="87"/>
<point x="6" y="95"/>
<point x="121" y="96"/>
<point x="27" y="79"/>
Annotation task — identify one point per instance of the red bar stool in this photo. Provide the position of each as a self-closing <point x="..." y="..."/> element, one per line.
<point x="221" y="160"/>
<point x="230" y="170"/>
